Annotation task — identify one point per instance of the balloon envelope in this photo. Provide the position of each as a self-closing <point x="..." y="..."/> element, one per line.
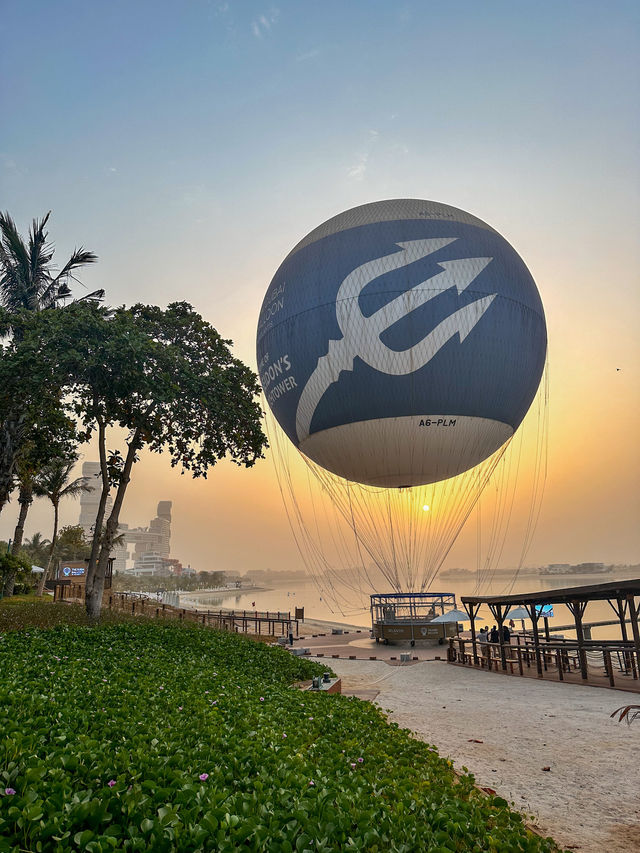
<point x="401" y="343"/>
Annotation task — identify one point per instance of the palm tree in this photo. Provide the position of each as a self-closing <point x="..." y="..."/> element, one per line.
<point x="37" y="549"/>
<point x="29" y="281"/>
<point x="53" y="483"/>
<point x="26" y="478"/>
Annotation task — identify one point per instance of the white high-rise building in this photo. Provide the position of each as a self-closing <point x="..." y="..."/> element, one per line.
<point x="89" y="501"/>
<point x="155" y="538"/>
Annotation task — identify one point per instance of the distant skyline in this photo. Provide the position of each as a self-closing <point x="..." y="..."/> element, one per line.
<point x="192" y="145"/>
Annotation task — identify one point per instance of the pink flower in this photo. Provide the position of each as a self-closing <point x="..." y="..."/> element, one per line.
<point x="111" y="783"/>
<point x="353" y="766"/>
<point x="361" y="761"/>
<point x="179" y="707"/>
<point x="262" y="698"/>
<point x="311" y="783"/>
<point x="203" y="777"/>
<point x="9" y="791"/>
<point x="283" y="735"/>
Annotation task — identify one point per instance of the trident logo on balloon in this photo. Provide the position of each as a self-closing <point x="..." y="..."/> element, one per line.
<point x="361" y="335"/>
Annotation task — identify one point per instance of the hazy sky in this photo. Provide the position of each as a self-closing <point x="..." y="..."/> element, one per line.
<point x="191" y="145"/>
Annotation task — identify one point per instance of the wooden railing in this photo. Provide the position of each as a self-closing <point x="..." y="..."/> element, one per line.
<point x="557" y="657"/>
<point x="264" y="623"/>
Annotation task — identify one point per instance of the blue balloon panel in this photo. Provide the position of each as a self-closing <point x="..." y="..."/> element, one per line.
<point x="400" y="318"/>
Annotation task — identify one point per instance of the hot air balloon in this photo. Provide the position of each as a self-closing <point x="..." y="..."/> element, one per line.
<point x="400" y="344"/>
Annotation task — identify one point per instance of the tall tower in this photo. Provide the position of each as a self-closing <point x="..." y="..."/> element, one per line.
<point x="89" y="501"/>
<point x="161" y="526"/>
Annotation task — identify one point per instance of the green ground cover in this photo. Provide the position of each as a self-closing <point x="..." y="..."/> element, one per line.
<point x="139" y="736"/>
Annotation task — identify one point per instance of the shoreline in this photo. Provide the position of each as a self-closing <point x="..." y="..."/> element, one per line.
<point x="223" y="591"/>
<point x="310" y="623"/>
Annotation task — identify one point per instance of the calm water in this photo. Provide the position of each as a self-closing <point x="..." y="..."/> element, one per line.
<point x="304" y="593"/>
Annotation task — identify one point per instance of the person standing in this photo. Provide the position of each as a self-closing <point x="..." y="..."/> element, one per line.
<point x="483" y="637"/>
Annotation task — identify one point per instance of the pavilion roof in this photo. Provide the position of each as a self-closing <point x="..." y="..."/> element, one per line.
<point x="591" y="592"/>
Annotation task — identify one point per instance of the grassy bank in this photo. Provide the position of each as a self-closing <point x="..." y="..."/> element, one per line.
<point x="139" y="736"/>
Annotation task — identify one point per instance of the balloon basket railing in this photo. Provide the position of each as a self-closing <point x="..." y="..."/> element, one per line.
<point x="407" y="617"/>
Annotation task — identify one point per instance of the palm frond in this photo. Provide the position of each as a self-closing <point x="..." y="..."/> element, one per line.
<point x="15" y="285"/>
<point x="625" y="713"/>
<point x="27" y="278"/>
<point x="97" y="295"/>
<point x="79" y="258"/>
<point x="76" y="488"/>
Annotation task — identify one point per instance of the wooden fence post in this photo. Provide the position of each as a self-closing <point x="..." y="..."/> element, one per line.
<point x="607" y="663"/>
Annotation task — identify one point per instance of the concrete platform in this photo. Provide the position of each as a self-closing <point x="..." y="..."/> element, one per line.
<point x="356" y="645"/>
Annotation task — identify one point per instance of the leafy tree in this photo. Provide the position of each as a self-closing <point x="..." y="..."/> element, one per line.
<point x="29" y="283"/>
<point x="15" y="566"/>
<point x="168" y="379"/>
<point x="53" y="482"/>
<point x="72" y="544"/>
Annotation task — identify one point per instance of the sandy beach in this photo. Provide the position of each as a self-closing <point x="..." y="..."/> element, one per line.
<point x="589" y="799"/>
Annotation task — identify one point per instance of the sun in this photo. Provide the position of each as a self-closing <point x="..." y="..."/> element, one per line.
<point x="426" y="507"/>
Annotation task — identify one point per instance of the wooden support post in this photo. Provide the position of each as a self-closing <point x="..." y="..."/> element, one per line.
<point x="519" y="653"/>
<point x="546" y="629"/>
<point x="559" y="663"/>
<point x="472" y="612"/>
<point x="633" y="616"/>
<point x="578" y="608"/>
<point x="606" y="654"/>
<point x="536" y="637"/>
<point x="499" y="615"/>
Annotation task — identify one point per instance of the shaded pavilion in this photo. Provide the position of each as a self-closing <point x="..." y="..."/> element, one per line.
<point x="621" y="596"/>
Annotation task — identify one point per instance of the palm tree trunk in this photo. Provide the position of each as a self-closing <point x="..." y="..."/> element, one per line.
<point x="54" y="538"/>
<point x="25" y="500"/>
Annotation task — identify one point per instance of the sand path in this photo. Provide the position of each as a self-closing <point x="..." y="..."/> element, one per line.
<point x="589" y="799"/>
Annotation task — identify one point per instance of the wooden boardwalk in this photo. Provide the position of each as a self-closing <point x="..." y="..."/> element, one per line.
<point x="608" y="664"/>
